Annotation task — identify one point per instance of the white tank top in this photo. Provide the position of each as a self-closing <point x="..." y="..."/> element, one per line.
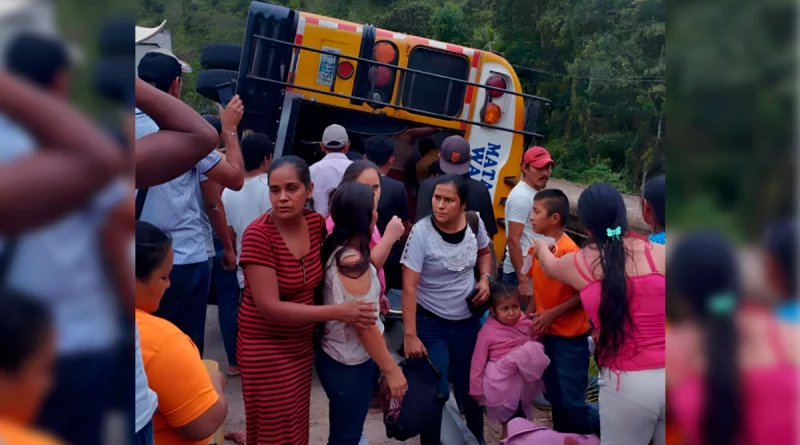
<point x="340" y="340"/>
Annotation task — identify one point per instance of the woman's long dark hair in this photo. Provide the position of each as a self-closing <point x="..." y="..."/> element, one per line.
<point x="152" y="245"/>
<point x="351" y="210"/>
<point x="600" y="208"/>
<point x="352" y="173"/>
<point x="702" y="270"/>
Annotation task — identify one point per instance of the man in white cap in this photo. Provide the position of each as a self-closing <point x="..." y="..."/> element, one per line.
<point x="327" y="173"/>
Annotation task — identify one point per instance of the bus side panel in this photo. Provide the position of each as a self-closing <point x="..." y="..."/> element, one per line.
<point x="495" y="153"/>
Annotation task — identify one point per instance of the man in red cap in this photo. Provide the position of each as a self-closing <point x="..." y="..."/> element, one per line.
<point x="537" y="166"/>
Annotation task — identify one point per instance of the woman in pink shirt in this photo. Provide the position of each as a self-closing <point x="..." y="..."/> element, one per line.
<point x="622" y="288"/>
<point x="733" y="368"/>
<point x="366" y="172"/>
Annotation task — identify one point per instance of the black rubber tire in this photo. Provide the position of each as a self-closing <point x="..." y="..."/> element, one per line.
<point x="207" y="81"/>
<point x="221" y="56"/>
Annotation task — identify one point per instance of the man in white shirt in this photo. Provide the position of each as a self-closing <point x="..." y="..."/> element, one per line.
<point x="537" y="166"/>
<point x="327" y="173"/>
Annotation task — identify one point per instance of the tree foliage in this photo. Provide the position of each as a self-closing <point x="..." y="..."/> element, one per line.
<point x="600" y="61"/>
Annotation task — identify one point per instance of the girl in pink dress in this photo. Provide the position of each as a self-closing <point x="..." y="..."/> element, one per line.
<point x="507" y="364"/>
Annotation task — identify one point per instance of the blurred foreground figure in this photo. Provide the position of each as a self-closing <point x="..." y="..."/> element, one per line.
<point x="733" y="373"/>
<point x="61" y="167"/>
<point x="781" y="267"/>
<point x="27" y="353"/>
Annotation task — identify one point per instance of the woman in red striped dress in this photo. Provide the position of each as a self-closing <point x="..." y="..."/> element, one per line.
<point x="274" y="349"/>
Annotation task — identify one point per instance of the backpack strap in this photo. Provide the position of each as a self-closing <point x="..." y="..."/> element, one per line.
<point x="141" y="196"/>
<point x="472" y="221"/>
<point x="6" y="257"/>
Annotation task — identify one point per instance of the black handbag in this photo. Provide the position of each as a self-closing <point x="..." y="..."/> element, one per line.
<point x="408" y="416"/>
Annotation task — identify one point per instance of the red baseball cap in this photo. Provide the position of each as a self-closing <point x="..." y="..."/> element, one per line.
<point x="537" y="156"/>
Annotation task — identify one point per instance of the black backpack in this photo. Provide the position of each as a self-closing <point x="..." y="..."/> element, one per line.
<point x="408" y="416"/>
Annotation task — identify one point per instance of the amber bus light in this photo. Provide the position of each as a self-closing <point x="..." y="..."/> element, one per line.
<point x="491" y="113"/>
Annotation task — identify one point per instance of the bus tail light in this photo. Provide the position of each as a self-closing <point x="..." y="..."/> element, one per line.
<point x="384" y="52"/>
<point x="380" y="76"/>
<point x="345" y="70"/>
<point x="491" y="113"/>
<point x="496" y="81"/>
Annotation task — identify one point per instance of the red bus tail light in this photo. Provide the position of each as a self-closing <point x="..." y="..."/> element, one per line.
<point x="345" y="70"/>
<point x="496" y="81"/>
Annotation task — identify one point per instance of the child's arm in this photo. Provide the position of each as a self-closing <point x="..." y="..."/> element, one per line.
<point x="545" y="319"/>
<point x="479" y="358"/>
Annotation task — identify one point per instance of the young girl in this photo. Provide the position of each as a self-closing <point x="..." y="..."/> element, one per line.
<point x="507" y="364"/>
<point x="346" y="356"/>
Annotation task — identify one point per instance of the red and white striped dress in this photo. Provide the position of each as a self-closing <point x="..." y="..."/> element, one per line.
<point x="275" y="361"/>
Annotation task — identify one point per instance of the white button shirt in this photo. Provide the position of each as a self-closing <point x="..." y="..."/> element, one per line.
<point x="326" y="176"/>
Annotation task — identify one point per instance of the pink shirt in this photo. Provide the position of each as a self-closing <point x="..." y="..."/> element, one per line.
<point x="495" y="340"/>
<point x="376" y="238"/>
<point x="767" y="397"/>
<point x="645" y="345"/>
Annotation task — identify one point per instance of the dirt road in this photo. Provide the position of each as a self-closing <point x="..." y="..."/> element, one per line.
<point x="214" y="350"/>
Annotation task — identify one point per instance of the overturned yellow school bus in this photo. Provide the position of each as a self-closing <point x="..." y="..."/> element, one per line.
<point x="300" y="72"/>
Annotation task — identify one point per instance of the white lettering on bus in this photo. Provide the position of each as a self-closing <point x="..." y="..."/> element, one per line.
<point x="486" y="160"/>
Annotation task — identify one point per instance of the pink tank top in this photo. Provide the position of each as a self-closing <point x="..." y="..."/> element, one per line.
<point x="644" y="346"/>
<point x="767" y="397"/>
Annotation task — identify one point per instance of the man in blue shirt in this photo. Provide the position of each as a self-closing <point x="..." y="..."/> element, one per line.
<point x="174" y="208"/>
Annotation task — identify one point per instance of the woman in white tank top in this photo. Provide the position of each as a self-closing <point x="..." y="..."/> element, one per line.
<point x="346" y="354"/>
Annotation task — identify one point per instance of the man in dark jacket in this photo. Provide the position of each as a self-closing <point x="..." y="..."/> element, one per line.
<point x="454" y="157"/>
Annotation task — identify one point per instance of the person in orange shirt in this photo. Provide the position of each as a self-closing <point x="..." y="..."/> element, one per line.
<point x="27" y="357"/>
<point x="191" y="402"/>
<point x="562" y="324"/>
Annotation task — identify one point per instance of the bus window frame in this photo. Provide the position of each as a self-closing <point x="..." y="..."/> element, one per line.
<point x="451" y="80"/>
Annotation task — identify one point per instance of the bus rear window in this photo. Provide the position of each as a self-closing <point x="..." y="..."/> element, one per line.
<point x="430" y="94"/>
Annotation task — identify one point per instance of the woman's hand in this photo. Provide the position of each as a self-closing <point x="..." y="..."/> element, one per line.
<point x="413" y="347"/>
<point x="483" y="291"/>
<point x="396" y="381"/>
<point x="541" y="245"/>
<point x="394" y="229"/>
<point x="359" y="313"/>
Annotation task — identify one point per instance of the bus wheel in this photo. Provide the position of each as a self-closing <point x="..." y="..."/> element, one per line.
<point x="208" y="80"/>
<point x="221" y="56"/>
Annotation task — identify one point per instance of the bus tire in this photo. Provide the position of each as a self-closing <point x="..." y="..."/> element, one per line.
<point x="208" y="80"/>
<point x="221" y="56"/>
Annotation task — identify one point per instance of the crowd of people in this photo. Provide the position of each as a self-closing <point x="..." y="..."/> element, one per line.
<point x="300" y="260"/>
<point x="317" y="249"/>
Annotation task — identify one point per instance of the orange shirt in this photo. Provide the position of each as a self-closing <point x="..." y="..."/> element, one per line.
<point x="549" y="293"/>
<point x="177" y="374"/>
<point x="12" y="433"/>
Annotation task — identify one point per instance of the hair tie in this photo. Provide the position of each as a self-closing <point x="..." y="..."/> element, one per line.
<point x="722" y="304"/>
<point x="614" y="233"/>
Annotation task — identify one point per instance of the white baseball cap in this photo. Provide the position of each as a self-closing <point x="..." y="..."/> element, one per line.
<point x="143" y="33"/>
<point x="335" y="137"/>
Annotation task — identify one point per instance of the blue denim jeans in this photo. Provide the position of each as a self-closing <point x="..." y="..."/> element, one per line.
<point x="450" y="345"/>
<point x="565" y="381"/>
<point x="349" y="390"/>
<point x="225" y="286"/>
<point x="145" y="435"/>
<point x="75" y="411"/>
<point x="184" y="302"/>
<point x="510" y="278"/>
